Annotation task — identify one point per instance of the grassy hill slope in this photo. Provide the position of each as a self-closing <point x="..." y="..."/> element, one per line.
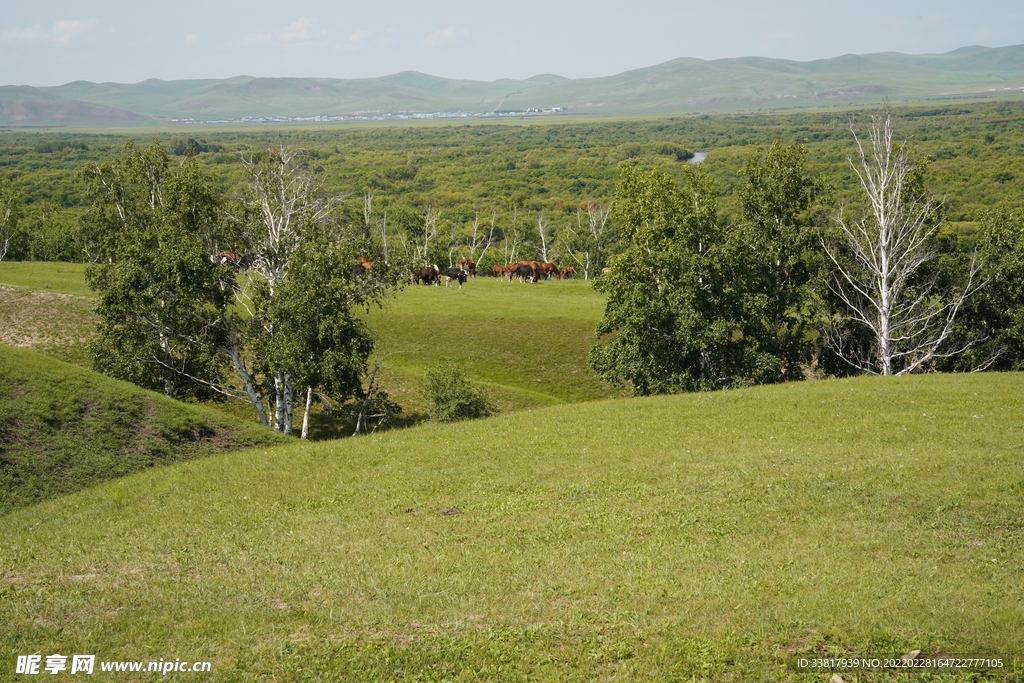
<point x="703" y="537"/>
<point x="63" y="428"/>
<point x="680" y="85"/>
<point x="527" y="343"/>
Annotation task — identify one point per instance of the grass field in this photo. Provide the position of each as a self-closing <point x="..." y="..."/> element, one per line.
<point x="527" y="344"/>
<point x="704" y="537"/>
<point x="63" y="429"/>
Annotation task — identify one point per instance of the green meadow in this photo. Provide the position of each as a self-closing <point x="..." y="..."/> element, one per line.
<point x="526" y="343"/>
<point x="576" y="536"/>
<point x="719" y="536"/>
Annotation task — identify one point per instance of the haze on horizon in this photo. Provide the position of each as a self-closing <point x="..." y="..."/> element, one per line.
<point x="43" y="44"/>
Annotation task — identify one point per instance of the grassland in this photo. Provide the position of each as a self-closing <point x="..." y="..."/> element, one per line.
<point x="47" y="307"/>
<point x="63" y="428"/>
<point x="702" y="537"/>
<point x="526" y="343"/>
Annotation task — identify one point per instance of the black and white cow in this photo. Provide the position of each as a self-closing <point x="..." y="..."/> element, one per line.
<point x="454" y="273"/>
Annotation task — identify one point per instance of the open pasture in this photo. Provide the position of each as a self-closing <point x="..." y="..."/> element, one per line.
<point x="702" y="537"/>
<point x="527" y="343"/>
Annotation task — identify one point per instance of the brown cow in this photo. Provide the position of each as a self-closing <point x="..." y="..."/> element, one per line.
<point x="468" y="266"/>
<point x="568" y="271"/>
<point x="427" y="275"/>
<point x="549" y="269"/>
<point x="499" y="271"/>
<point x="227" y="257"/>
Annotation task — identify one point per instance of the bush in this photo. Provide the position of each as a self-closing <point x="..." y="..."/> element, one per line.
<point x="452" y="397"/>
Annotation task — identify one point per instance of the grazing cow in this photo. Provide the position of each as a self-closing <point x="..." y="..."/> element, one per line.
<point x="227" y="257"/>
<point x="467" y="265"/>
<point x="538" y="269"/>
<point x="525" y="272"/>
<point x="427" y="275"/>
<point x="455" y="273"/>
<point x="549" y="269"/>
<point x="499" y="271"/>
<point x="568" y="271"/>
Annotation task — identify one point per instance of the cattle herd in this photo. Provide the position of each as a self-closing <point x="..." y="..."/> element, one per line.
<point x="525" y="271"/>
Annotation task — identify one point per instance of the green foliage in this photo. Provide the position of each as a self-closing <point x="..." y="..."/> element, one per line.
<point x="53" y="233"/>
<point x="318" y="339"/>
<point x="777" y="255"/>
<point x="994" y="319"/>
<point x="674" y="314"/>
<point x="63" y="429"/>
<point x="161" y="297"/>
<point x="451" y="395"/>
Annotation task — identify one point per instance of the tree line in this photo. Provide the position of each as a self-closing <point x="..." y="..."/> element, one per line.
<point x="797" y="288"/>
<point x="766" y="282"/>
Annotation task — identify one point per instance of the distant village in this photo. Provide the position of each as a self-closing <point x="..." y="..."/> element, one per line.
<point x="532" y="111"/>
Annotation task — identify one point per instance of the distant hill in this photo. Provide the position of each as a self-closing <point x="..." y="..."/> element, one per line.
<point x="680" y="85"/>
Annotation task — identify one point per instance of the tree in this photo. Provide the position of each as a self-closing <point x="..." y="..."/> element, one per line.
<point x="672" y="322"/>
<point x="9" y="214"/>
<point x="995" y="315"/>
<point x="778" y="254"/>
<point x="589" y="243"/>
<point x="894" y="316"/>
<point x="299" y="293"/>
<point x="160" y="296"/>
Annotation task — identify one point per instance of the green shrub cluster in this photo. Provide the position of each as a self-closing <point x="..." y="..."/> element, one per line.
<point x="451" y="395"/>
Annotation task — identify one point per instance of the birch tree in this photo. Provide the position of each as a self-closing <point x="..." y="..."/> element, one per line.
<point x="895" y="316"/>
<point x="160" y="296"/>
<point x="8" y="220"/>
<point x="300" y="334"/>
<point x="588" y="242"/>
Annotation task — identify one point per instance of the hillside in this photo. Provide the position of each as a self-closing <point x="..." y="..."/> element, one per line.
<point x="718" y="536"/>
<point x="64" y="428"/>
<point x="527" y="344"/>
<point x="680" y="85"/>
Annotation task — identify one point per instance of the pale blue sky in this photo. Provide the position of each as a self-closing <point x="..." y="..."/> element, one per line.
<point x="57" y="41"/>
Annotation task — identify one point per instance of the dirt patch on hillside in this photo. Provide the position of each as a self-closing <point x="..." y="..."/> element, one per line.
<point x="41" y="320"/>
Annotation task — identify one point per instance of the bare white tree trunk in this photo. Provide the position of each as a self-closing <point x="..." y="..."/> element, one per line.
<point x="542" y="232"/>
<point x="878" y="261"/>
<point x="8" y="222"/>
<point x="305" y="414"/>
<point x="289" y="404"/>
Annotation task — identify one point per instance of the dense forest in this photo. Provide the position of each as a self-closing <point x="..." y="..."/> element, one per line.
<point x="514" y="176"/>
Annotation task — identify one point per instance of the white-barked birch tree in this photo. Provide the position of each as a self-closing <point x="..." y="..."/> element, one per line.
<point x="896" y="317"/>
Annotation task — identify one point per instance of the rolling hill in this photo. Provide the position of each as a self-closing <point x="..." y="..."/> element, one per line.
<point x="64" y="428"/>
<point x="720" y="536"/>
<point x="680" y="85"/>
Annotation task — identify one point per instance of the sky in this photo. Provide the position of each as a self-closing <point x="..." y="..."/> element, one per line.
<point x="127" y="41"/>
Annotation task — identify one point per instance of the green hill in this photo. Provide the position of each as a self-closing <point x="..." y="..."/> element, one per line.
<point x="64" y="428"/>
<point x="527" y="344"/>
<point x="680" y="85"/>
<point x="719" y="536"/>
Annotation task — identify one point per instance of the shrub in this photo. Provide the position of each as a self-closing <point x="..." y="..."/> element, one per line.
<point x="452" y="397"/>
